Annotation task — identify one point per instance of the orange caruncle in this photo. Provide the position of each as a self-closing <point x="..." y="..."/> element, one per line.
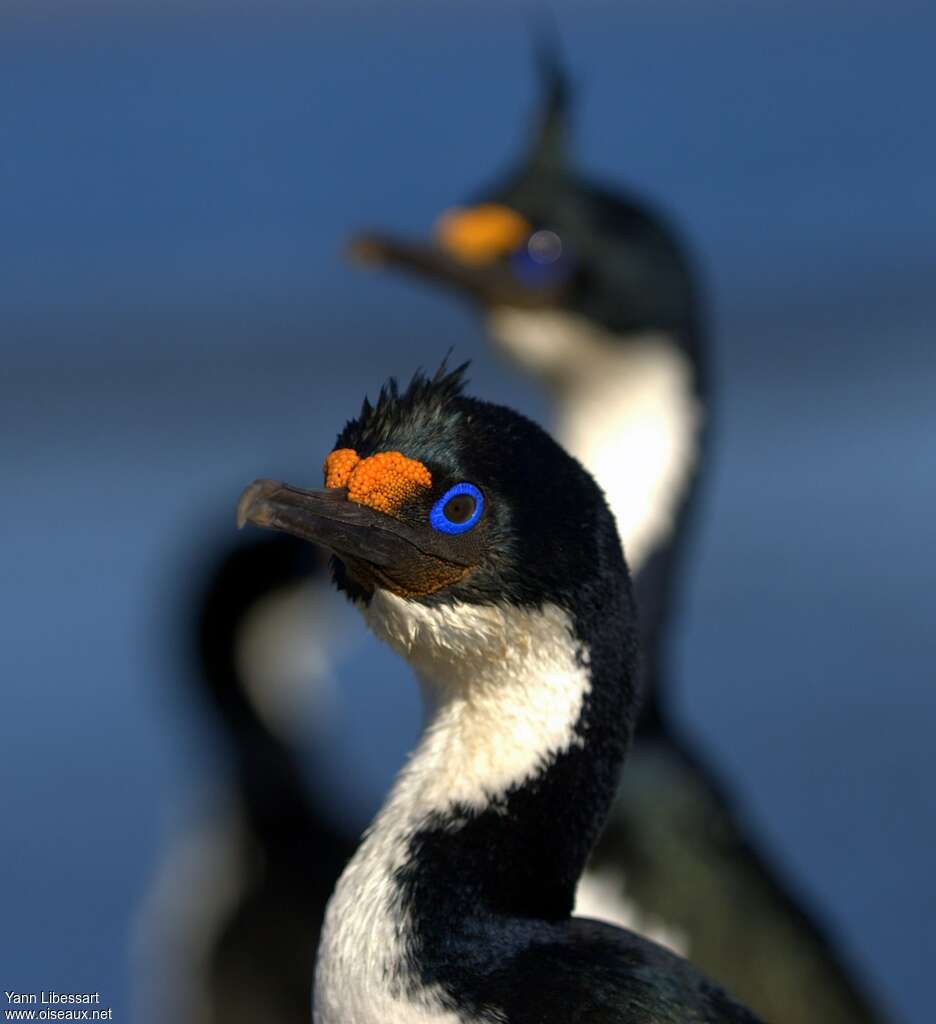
<point x="338" y="466"/>
<point x="382" y="481"/>
<point x="481" y="234"/>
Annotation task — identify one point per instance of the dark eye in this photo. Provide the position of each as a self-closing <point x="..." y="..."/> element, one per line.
<point x="458" y="509"/>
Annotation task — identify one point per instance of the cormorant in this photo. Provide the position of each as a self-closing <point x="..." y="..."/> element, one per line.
<point x="488" y="558"/>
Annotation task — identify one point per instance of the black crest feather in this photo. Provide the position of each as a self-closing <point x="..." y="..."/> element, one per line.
<point x="424" y="400"/>
<point x="550" y="142"/>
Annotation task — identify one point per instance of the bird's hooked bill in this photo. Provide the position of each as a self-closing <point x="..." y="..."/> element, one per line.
<point x="325" y="517"/>
<point x="490" y="283"/>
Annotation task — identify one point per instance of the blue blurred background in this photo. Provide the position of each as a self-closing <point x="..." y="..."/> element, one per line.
<point x="176" y="184"/>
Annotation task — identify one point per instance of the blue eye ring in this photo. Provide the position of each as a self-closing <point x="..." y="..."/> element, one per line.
<point x="534" y="272"/>
<point x="438" y="520"/>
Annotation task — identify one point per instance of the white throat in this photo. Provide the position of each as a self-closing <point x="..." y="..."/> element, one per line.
<point x="626" y="410"/>
<point x="504" y="689"/>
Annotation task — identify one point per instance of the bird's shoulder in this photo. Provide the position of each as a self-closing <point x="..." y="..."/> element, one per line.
<point x="589" y="972"/>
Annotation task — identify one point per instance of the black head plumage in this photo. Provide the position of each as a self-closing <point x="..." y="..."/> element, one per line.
<point x="545" y="518"/>
<point x="544" y="238"/>
<point x="418" y="408"/>
<point x="550" y="141"/>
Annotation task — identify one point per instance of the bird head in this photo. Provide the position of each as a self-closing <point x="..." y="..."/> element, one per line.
<point x="439" y="498"/>
<point x="543" y="240"/>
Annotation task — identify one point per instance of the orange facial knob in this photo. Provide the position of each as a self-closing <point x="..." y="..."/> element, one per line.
<point x="481" y="234"/>
<point x="338" y="466"/>
<point x="385" y="480"/>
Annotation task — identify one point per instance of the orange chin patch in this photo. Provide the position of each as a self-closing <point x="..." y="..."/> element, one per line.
<point x="382" y="481"/>
<point x="483" y="233"/>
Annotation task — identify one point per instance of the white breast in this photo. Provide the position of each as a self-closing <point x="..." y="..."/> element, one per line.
<point x="493" y="719"/>
<point x="626" y="410"/>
